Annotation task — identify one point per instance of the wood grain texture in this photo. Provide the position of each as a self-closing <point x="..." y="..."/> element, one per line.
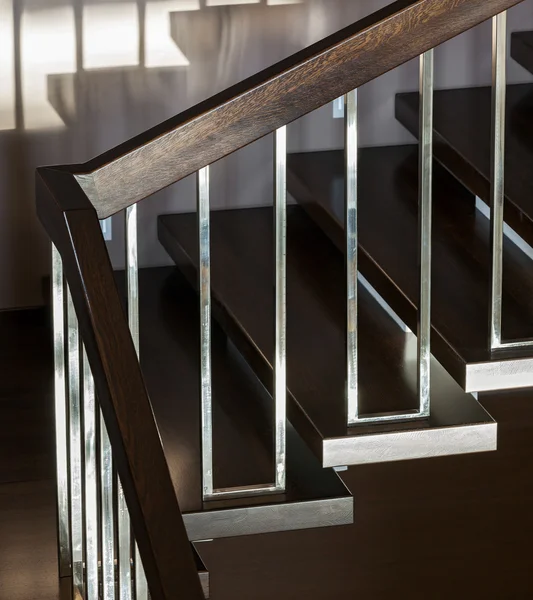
<point x="388" y="222"/>
<point x="152" y="502"/>
<point x="461" y="128"/>
<point x="274" y="97"/>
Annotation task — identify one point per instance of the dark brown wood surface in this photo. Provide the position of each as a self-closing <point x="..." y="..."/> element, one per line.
<point x="465" y="522"/>
<point x="462" y="126"/>
<point x="242" y="282"/>
<point x="388" y="247"/>
<point x="137" y="449"/>
<point x="522" y="48"/>
<point x="276" y="96"/>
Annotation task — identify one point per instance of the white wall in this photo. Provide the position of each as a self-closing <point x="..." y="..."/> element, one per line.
<point x="71" y="86"/>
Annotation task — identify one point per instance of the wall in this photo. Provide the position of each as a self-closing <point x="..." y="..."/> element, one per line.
<point x="79" y="76"/>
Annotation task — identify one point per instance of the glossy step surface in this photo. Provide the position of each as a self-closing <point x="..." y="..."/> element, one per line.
<point x="242" y="287"/>
<point x="169" y="349"/>
<point x="388" y="240"/>
<point x="522" y="48"/>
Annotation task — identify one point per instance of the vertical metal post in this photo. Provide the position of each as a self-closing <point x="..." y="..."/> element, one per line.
<point x="132" y="284"/>
<point x="90" y="489"/>
<point x="280" y="344"/>
<point x="499" y="56"/>
<point x="108" y="519"/>
<point x="351" y="154"/>
<point x="76" y="484"/>
<point x="204" y="274"/>
<point x="62" y="450"/>
<point x="424" y="233"/>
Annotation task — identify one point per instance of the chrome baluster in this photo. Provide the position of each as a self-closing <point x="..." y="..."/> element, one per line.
<point x="204" y="275"/>
<point x="61" y="426"/>
<point x="280" y="342"/>
<point x="107" y="488"/>
<point x="90" y="490"/>
<point x="76" y="484"/>
<point x="351" y="155"/>
<point x="424" y="232"/>
<point x="499" y="59"/>
<point x="132" y="284"/>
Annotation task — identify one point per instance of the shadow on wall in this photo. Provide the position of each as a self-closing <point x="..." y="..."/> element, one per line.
<point x="79" y="76"/>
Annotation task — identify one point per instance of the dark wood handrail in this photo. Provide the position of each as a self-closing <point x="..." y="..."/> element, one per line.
<point x="274" y="97"/>
<point x="137" y="448"/>
<point x="71" y="199"/>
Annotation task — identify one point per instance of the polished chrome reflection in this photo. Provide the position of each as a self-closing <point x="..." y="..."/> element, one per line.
<point x="280" y="345"/>
<point x="499" y="56"/>
<point x="107" y="514"/>
<point x="132" y="284"/>
<point x="280" y="351"/>
<point x="424" y="232"/>
<point x="62" y="450"/>
<point x="76" y="476"/>
<point x="90" y="488"/>
<point x="125" y="574"/>
<point x="204" y="284"/>
<point x="351" y="151"/>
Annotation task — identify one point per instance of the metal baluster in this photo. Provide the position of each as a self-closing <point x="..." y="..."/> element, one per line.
<point x="91" y="494"/>
<point x="499" y="56"/>
<point x="76" y="506"/>
<point x="204" y="244"/>
<point x="424" y="232"/>
<point x="351" y="151"/>
<point x="280" y="345"/>
<point x="132" y="283"/>
<point x="108" y="519"/>
<point x="62" y="449"/>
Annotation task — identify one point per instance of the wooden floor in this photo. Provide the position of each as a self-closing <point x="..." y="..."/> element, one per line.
<point x="431" y="529"/>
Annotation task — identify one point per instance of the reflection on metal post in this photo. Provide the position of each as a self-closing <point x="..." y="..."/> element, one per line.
<point x="76" y="484"/>
<point x="108" y="519"/>
<point x="204" y="286"/>
<point x="90" y="491"/>
<point x="351" y="151"/>
<point x="62" y="450"/>
<point x="280" y="345"/>
<point x="424" y="233"/>
<point x="132" y="284"/>
<point x="499" y="56"/>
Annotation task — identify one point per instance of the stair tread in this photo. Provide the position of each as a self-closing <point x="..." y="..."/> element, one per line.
<point x="462" y="130"/>
<point x="522" y="48"/>
<point x="388" y="245"/>
<point x="169" y="349"/>
<point x="242" y="287"/>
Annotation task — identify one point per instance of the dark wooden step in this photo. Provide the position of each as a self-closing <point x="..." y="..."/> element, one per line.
<point x="388" y="239"/>
<point x="242" y="287"/>
<point x="522" y="48"/>
<point x="169" y="348"/>
<point x="462" y="131"/>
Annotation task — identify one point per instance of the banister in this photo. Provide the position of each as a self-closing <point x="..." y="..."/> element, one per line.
<point x="274" y="97"/>
<point x="137" y="448"/>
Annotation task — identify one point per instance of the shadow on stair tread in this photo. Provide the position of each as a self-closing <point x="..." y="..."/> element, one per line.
<point x="462" y="143"/>
<point x="522" y="48"/>
<point x="242" y="287"/>
<point x="388" y="223"/>
<point x="169" y="350"/>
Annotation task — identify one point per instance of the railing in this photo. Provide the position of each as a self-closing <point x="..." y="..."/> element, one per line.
<point x="72" y="199"/>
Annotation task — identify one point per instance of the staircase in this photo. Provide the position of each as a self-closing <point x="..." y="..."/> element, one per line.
<point x="354" y="326"/>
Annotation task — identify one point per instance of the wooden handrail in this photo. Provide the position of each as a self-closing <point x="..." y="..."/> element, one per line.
<point x="274" y="97"/>
<point x="73" y="226"/>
